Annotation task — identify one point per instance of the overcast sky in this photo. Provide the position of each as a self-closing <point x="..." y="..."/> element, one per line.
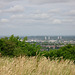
<point x="37" y="17"/>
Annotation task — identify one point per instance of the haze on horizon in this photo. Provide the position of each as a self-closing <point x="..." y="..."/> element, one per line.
<point x="37" y="17"/>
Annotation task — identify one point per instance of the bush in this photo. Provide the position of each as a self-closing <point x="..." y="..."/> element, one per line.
<point x="13" y="46"/>
<point x="67" y="52"/>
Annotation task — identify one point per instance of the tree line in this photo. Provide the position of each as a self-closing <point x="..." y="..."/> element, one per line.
<point x="13" y="47"/>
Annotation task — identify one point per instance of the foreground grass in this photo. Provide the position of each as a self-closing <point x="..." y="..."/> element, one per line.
<point x="35" y="66"/>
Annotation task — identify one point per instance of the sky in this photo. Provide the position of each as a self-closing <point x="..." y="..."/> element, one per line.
<point x="37" y="17"/>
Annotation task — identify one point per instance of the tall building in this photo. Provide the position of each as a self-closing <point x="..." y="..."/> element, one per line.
<point x="49" y="38"/>
<point x="58" y="37"/>
<point x="45" y="38"/>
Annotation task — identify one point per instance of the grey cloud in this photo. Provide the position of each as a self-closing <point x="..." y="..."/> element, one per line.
<point x="9" y="0"/>
<point x="41" y="1"/>
<point x="70" y="13"/>
<point x="39" y="16"/>
<point x="4" y="20"/>
<point x="49" y="1"/>
<point x="56" y="21"/>
<point x="48" y="17"/>
<point x="17" y="16"/>
<point x="16" y="8"/>
<point x="69" y="21"/>
<point x="3" y="4"/>
<point x="54" y="11"/>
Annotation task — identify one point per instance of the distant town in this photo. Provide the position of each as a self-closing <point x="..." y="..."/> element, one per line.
<point x="53" y="42"/>
<point x="50" y="42"/>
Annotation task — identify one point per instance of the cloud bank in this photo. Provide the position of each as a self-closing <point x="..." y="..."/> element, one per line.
<point x="37" y="17"/>
<point x="50" y="1"/>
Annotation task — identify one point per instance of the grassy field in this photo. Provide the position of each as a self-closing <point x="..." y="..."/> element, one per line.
<point x="35" y="66"/>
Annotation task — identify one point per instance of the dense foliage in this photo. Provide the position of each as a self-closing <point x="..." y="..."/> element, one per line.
<point x="13" y="46"/>
<point x="66" y="52"/>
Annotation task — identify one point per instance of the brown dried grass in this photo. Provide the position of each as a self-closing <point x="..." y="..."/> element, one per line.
<point x="35" y="66"/>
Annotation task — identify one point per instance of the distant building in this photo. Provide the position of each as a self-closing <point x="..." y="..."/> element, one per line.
<point x="49" y="38"/>
<point x="45" y="38"/>
<point x="59" y="37"/>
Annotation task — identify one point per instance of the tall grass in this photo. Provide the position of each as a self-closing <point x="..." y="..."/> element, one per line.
<point x="35" y="66"/>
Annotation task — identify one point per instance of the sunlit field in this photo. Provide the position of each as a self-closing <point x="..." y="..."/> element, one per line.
<point x="35" y="66"/>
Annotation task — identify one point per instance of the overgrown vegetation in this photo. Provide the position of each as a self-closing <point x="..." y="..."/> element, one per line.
<point x="66" y="52"/>
<point x="13" y="46"/>
<point x="31" y="66"/>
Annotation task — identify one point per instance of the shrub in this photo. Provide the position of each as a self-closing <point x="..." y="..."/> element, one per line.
<point x="67" y="52"/>
<point x="13" y="46"/>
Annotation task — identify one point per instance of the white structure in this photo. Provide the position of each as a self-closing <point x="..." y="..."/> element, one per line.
<point x="49" y="38"/>
<point x="58" y="37"/>
<point x="45" y="38"/>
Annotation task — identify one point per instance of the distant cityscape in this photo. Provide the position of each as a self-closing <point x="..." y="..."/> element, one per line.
<point x="50" y="42"/>
<point x="53" y="39"/>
